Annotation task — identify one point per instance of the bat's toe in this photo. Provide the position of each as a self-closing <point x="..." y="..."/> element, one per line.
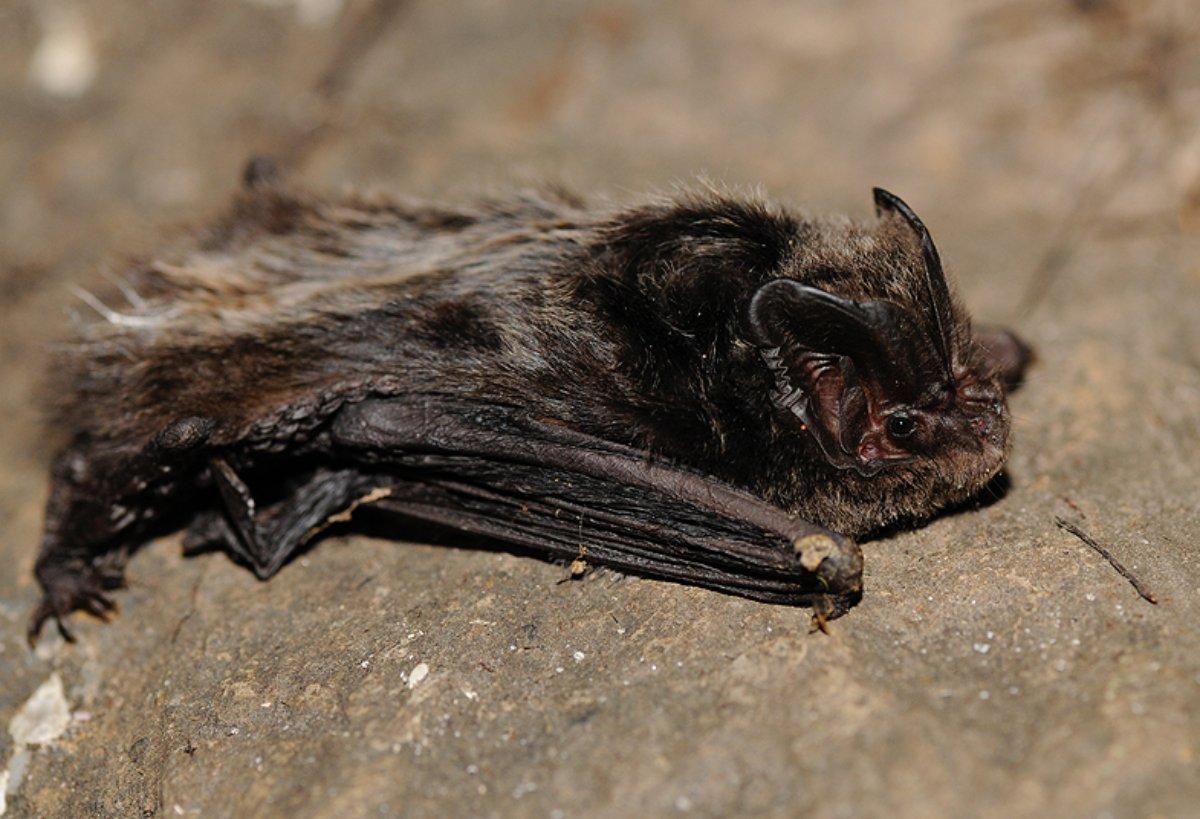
<point x="74" y="586"/>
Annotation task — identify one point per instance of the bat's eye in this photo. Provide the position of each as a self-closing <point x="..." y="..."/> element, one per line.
<point x="901" y="426"/>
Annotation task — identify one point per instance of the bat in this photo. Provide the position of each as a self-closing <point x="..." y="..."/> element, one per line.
<point x="707" y="389"/>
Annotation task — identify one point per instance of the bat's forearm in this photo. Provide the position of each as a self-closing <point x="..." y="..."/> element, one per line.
<point x="489" y="470"/>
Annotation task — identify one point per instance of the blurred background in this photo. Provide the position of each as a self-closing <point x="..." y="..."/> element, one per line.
<point x="995" y="666"/>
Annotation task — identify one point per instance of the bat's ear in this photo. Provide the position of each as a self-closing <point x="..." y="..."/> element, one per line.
<point x="835" y="359"/>
<point x="939" y="303"/>
<point x="1005" y="354"/>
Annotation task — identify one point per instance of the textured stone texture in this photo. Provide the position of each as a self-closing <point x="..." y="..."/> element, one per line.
<point x="996" y="666"/>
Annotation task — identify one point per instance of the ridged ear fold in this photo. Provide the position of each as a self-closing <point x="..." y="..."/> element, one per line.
<point x="835" y="359"/>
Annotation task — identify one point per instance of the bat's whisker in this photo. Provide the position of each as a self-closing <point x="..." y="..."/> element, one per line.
<point x="113" y="316"/>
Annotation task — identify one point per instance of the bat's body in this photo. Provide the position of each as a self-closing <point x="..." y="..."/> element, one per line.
<point x="699" y="390"/>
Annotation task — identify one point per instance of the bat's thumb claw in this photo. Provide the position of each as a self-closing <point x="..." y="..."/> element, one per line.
<point x="836" y="561"/>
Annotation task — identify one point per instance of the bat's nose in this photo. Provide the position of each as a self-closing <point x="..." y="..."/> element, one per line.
<point x="991" y="424"/>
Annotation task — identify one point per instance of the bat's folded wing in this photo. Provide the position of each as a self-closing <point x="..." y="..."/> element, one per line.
<point x="493" y="471"/>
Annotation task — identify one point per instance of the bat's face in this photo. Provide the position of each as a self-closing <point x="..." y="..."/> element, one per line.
<point x="899" y="398"/>
<point x="943" y="446"/>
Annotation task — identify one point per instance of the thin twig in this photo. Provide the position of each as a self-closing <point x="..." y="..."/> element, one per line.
<point x="1138" y="585"/>
<point x="1074" y="506"/>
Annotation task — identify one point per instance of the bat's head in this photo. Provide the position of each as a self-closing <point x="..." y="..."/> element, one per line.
<point x="879" y="368"/>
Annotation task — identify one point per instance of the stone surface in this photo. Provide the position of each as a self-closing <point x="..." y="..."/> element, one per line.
<point x="996" y="667"/>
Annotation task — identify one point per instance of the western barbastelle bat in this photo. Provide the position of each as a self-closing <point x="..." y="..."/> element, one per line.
<point x="707" y="389"/>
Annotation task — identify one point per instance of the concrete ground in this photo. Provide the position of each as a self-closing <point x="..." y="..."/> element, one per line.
<point x="996" y="666"/>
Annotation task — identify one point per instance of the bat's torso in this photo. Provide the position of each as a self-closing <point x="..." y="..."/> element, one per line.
<point x="275" y="322"/>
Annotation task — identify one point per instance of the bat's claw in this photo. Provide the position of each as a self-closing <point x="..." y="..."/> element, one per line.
<point x="827" y="607"/>
<point x="74" y="587"/>
<point x="46" y="610"/>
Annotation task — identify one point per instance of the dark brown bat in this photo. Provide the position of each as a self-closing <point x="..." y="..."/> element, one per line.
<point x="708" y="389"/>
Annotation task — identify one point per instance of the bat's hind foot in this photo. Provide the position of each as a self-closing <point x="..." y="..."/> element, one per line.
<point x="74" y="585"/>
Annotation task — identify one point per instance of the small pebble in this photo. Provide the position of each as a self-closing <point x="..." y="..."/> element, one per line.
<point x="417" y="675"/>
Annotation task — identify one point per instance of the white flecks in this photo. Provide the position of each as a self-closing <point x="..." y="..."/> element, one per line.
<point x="64" y="62"/>
<point x="578" y="656"/>
<point x="178" y="810"/>
<point x="982" y="648"/>
<point x="469" y="694"/>
<point x="3" y="792"/>
<point x="984" y="695"/>
<point x="1091" y="598"/>
<point x="523" y="788"/>
<point x="417" y="675"/>
<point x="44" y="716"/>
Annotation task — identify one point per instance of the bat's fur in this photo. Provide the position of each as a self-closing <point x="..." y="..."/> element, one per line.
<point x="625" y="323"/>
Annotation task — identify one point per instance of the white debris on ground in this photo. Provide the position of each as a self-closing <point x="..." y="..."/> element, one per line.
<point x="64" y="62"/>
<point x="417" y="675"/>
<point x="43" y="718"/>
